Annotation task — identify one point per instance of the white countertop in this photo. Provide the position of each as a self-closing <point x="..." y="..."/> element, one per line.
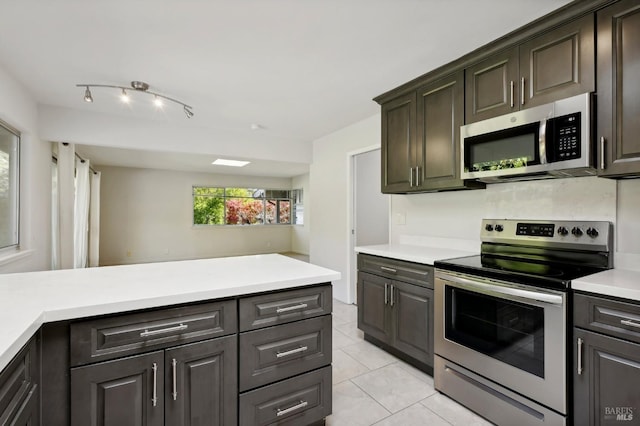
<point x="414" y="253"/>
<point x="622" y="283"/>
<point x="27" y="300"/>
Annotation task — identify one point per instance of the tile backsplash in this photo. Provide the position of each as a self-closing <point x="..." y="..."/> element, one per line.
<point x="457" y="215"/>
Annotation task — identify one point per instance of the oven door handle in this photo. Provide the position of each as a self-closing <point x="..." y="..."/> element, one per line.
<point x="498" y="290"/>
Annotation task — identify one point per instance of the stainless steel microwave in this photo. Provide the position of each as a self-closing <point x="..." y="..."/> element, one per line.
<point x="552" y="140"/>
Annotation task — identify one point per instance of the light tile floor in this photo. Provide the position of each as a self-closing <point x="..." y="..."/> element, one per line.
<point x="372" y="387"/>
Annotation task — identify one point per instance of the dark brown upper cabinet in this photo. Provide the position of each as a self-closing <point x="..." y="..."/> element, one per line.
<point x="556" y="64"/>
<point x="420" y="138"/>
<point x="618" y="107"/>
<point x="398" y="144"/>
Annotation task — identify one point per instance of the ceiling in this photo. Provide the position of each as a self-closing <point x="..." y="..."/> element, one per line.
<point x="300" y="69"/>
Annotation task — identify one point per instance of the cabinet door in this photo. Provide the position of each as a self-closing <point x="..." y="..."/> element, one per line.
<point x="413" y="321"/>
<point x="558" y="64"/>
<point x="123" y="392"/>
<point x="373" y="312"/>
<point x="440" y="109"/>
<point x="618" y="89"/>
<point x="398" y="138"/>
<point x="606" y="391"/>
<point x="201" y="384"/>
<point x="491" y="86"/>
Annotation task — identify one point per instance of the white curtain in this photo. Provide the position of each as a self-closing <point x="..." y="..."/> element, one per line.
<point x="66" y="196"/>
<point x="81" y="215"/>
<point x="94" y="220"/>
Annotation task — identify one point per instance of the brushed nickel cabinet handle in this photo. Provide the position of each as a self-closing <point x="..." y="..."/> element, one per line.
<point x="579" y="356"/>
<point x="512" y="85"/>
<point x="603" y="141"/>
<point x="411" y="177"/>
<point x="417" y="175"/>
<point x="522" y="91"/>
<point x="386" y="293"/>
<point x="147" y="333"/>
<point x="629" y="323"/>
<point x="298" y="406"/>
<point x="387" y="269"/>
<point x="291" y="308"/>
<point x="392" y="289"/>
<point x="154" y="396"/>
<point x="291" y="352"/>
<point x="174" y="364"/>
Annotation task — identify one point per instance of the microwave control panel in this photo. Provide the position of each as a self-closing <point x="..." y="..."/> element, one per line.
<point x="566" y="134"/>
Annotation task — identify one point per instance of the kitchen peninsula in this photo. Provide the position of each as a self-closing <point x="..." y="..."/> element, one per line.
<point x="103" y="316"/>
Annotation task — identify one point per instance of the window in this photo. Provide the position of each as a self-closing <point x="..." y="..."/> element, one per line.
<point x="246" y="206"/>
<point x="9" y="186"/>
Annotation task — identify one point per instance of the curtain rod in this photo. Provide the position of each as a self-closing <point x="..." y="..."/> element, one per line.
<point x="82" y="160"/>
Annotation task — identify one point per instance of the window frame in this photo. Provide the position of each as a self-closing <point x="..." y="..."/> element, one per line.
<point x="17" y="174"/>
<point x="266" y="195"/>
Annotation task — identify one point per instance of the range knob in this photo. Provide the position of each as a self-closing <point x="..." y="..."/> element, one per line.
<point x="592" y="232"/>
<point x="576" y="231"/>
<point x="489" y="227"/>
<point x="563" y="231"/>
<point x="499" y="228"/>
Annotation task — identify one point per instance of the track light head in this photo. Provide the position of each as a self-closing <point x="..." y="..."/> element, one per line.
<point x="124" y="97"/>
<point x="87" y="95"/>
<point x="188" y="112"/>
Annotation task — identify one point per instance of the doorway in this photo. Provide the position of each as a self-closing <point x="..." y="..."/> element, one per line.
<point x="369" y="209"/>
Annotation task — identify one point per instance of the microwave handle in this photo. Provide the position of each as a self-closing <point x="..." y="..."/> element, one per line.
<point x="542" y="142"/>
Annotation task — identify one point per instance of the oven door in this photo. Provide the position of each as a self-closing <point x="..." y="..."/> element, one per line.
<point x="512" y="334"/>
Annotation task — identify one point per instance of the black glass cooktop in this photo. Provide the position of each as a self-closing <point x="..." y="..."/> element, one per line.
<point x="538" y="270"/>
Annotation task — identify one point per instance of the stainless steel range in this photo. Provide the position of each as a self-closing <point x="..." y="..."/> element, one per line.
<point x="502" y="320"/>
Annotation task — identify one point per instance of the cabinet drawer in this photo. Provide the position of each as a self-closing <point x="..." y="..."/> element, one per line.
<point x="275" y="353"/>
<point x="283" y="307"/>
<point x="414" y="273"/>
<point x="113" y="337"/>
<point x="301" y="400"/>
<point x="619" y="319"/>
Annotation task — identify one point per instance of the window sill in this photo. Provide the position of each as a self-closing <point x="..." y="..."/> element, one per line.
<point x="13" y="256"/>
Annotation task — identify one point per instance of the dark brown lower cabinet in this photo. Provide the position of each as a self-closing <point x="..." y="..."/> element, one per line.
<point x="606" y="390"/>
<point x="396" y="313"/>
<point x="194" y="384"/>
<point x="19" y="387"/>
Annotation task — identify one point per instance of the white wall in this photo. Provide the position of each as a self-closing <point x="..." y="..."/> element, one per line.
<point x="146" y="216"/>
<point x="300" y="233"/>
<point x="18" y="109"/>
<point x="329" y="245"/>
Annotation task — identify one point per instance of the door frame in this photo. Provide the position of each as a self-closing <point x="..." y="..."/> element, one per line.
<point x="352" y="262"/>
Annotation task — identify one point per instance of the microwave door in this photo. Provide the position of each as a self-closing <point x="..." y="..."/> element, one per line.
<point x="502" y="152"/>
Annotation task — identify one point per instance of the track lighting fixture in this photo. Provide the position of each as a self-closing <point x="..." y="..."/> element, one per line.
<point x="138" y="86"/>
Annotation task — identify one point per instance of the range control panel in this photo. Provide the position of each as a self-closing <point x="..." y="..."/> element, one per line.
<point x="589" y="235"/>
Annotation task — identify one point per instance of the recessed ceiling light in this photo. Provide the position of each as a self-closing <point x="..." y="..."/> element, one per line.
<point x="256" y="126"/>
<point x="230" y="163"/>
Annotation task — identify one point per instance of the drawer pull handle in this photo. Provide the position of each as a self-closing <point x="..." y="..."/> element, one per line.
<point x="384" y="268"/>
<point x="174" y="363"/>
<point x="298" y="406"/>
<point x="291" y="352"/>
<point x="147" y="333"/>
<point x="154" y="396"/>
<point x="291" y="308"/>
<point x="630" y="323"/>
